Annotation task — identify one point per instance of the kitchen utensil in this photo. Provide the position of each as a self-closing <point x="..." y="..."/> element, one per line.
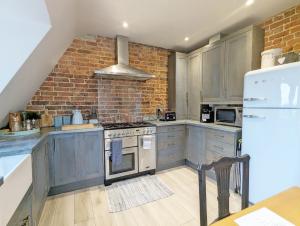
<point x="77" y="117"/>
<point x="75" y="127"/>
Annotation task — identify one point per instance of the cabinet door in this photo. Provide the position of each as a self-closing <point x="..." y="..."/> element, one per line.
<point x="238" y="62"/>
<point x="213" y="61"/>
<point x="194" y="86"/>
<point x="64" y="159"/>
<point x="194" y="143"/>
<point x="40" y="180"/>
<point x="89" y="156"/>
<point x="181" y="87"/>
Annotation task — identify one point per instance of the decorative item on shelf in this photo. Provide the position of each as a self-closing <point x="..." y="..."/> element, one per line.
<point x="58" y="121"/>
<point x="66" y="119"/>
<point x="15" y="121"/>
<point x="46" y="119"/>
<point x="286" y="58"/>
<point x="77" y="117"/>
<point x="268" y="57"/>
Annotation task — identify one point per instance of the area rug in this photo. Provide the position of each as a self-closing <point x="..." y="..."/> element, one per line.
<point x="134" y="192"/>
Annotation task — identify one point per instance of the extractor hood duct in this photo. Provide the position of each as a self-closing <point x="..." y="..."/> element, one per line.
<point x="122" y="70"/>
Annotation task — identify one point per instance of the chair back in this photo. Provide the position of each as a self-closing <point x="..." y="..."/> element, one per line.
<point x="222" y="170"/>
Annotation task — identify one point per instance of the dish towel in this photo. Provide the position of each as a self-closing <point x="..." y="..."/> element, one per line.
<point x="116" y="153"/>
<point x="147" y="142"/>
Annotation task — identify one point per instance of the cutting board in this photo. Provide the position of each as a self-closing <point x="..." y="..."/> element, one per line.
<point x="76" y="127"/>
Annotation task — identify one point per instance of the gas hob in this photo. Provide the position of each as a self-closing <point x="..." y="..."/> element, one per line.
<point x="115" y="130"/>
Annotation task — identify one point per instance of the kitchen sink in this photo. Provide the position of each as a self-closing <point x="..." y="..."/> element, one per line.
<point x="16" y="174"/>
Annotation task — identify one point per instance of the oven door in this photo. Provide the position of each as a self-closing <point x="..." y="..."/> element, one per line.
<point x="225" y="116"/>
<point x="128" y="166"/>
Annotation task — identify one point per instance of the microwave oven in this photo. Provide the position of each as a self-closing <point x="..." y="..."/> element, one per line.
<point x="230" y="116"/>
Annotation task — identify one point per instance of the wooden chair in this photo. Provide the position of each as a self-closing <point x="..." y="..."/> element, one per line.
<point x="222" y="169"/>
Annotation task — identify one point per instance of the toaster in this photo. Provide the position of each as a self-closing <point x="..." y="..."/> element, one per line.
<point x="168" y="116"/>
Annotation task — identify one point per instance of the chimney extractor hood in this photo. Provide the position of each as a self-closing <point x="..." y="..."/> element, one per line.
<point x="122" y="70"/>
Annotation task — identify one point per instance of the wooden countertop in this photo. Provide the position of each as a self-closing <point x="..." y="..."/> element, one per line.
<point x="286" y="204"/>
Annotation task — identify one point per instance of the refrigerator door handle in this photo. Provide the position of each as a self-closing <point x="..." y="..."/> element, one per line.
<point x="254" y="116"/>
<point x="255" y="99"/>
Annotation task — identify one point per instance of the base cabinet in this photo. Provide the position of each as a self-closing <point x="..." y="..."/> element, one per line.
<point x="170" y="146"/>
<point x="195" y="153"/>
<point x="76" y="161"/>
<point x="40" y="179"/>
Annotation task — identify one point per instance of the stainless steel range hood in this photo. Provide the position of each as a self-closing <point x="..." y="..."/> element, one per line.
<point x="122" y="70"/>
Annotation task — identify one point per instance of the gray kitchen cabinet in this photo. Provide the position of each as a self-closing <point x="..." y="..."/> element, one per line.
<point x="194" y="85"/>
<point x="64" y="159"/>
<point x="22" y="216"/>
<point x="219" y="144"/>
<point x="76" y="161"/>
<point x="213" y="64"/>
<point x="177" y="84"/>
<point x="40" y="179"/>
<point x="170" y="146"/>
<point x="225" y="63"/>
<point x="89" y="156"/>
<point x="242" y="55"/>
<point x="195" y="152"/>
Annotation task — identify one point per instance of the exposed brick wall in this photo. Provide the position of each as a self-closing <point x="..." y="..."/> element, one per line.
<point x="283" y="30"/>
<point x="72" y="85"/>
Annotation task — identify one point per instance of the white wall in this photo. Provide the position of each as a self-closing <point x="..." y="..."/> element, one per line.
<point x="23" y="25"/>
<point x="41" y="61"/>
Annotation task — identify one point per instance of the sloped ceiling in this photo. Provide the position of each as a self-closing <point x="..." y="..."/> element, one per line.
<point x="41" y="61"/>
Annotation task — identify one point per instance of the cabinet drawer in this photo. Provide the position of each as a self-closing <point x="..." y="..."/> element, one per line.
<point x="220" y="136"/>
<point x="170" y="155"/>
<point x="221" y="148"/>
<point x="168" y="129"/>
<point x="170" y="140"/>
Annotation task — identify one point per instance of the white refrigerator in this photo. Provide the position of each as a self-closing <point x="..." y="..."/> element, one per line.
<point x="271" y="129"/>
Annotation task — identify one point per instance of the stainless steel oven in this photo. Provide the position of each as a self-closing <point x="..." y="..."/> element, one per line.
<point x="129" y="163"/>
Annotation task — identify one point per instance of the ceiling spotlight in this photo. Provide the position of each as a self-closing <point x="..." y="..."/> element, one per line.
<point x="125" y="24"/>
<point x="186" y="39"/>
<point x="249" y="2"/>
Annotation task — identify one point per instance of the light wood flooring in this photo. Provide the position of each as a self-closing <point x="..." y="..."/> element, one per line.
<point x="89" y="207"/>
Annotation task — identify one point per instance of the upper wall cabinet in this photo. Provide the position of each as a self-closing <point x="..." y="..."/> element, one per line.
<point x="177" y="84"/>
<point x="213" y="63"/>
<point x="226" y="62"/>
<point x="194" y="85"/>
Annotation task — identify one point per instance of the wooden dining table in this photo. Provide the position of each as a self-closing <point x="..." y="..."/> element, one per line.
<point x="286" y="204"/>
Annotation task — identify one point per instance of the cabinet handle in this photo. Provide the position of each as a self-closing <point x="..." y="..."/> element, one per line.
<point x="255" y="99"/>
<point x="218" y="147"/>
<point x="254" y="116"/>
<point x="221" y="136"/>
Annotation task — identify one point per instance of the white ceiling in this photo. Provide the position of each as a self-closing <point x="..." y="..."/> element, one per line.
<point x="165" y="23"/>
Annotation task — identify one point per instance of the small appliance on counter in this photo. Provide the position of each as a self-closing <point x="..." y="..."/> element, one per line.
<point x="229" y="116"/>
<point x="168" y="116"/>
<point x="207" y="114"/>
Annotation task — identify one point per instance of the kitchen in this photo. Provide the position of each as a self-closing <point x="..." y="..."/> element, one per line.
<point x="106" y="106"/>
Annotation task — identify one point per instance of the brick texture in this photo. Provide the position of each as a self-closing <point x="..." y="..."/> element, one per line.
<point x="283" y="30"/>
<point x="72" y="85"/>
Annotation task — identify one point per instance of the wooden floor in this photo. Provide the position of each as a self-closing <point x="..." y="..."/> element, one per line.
<point x="89" y="207"/>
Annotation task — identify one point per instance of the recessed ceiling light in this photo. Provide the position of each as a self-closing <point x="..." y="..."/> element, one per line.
<point x="249" y="2"/>
<point x="186" y="39"/>
<point x="125" y="24"/>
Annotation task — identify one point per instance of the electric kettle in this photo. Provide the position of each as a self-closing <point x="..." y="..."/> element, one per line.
<point x="77" y="117"/>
